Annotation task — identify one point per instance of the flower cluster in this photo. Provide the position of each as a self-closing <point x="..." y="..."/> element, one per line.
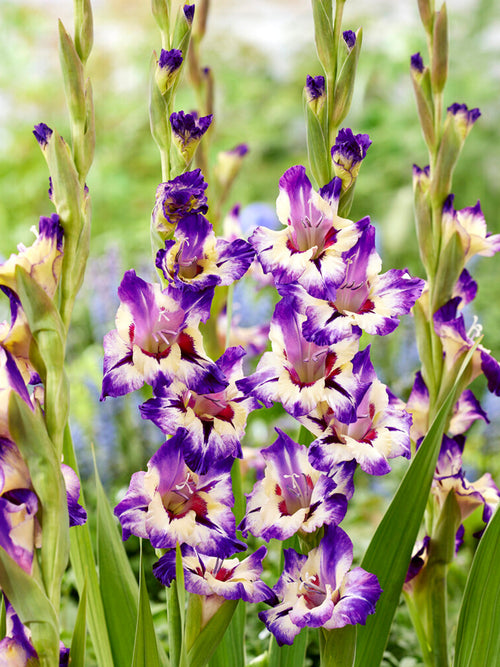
<point x="328" y="273"/>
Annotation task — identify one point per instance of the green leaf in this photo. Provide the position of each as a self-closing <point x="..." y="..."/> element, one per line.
<point x="208" y="639"/>
<point x="338" y="647"/>
<point x="176" y="610"/>
<point x="231" y="650"/>
<point x="33" y="607"/>
<point x="119" y="591"/>
<point x="77" y="651"/>
<point x="289" y="656"/>
<point x="389" y="552"/>
<point x="478" y="633"/>
<point x="318" y="150"/>
<point x="145" y="647"/>
<point x="83" y="564"/>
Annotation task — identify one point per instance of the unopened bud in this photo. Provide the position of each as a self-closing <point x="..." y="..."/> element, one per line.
<point x="229" y="164"/>
<point x="423" y="216"/>
<point x="345" y="80"/>
<point x="347" y="154"/>
<point x="439" y="66"/>
<point x="168" y="68"/>
<point x="315" y="93"/>
<point x="421" y="80"/>
<point x="187" y="131"/>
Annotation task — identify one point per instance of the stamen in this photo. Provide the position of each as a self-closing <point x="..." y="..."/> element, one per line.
<point x="476" y="329"/>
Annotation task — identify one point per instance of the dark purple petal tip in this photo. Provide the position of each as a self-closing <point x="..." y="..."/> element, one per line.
<point x="351" y="146"/>
<point x="417" y="63"/>
<point x="170" y="60"/>
<point x="471" y="115"/>
<point x="42" y="134"/>
<point x="315" y="87"/>
<point x="349" y="38"/>
<point x="189" y="13"/>
<point x="189" y="126"/>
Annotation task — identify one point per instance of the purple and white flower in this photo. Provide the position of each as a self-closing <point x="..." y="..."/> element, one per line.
<point x="16" y="649"/>
<point x="19" y="528"/>
<point x="456" y="341"/>
<point x="214" y="422"/>
<point x="42" y="260"/>
<point x="155" y="340"/>
<point x="181" y="196"/>
<point x="170" y="503"/>
<point x="10" y="380"/>
<point x="470" y="224"/>
<point x="320" y="590"/>
<point x="365" y="299"/>
<point x="450" y="477"/>
<point x="465" y="411"/>
<point x="293" y="496"/>
<point x="16" y="337"/>
<point x="300" y="374"/>
<point x="197" y="260"/>
<point x="77" y="514"/>
<point x="217" y="579"/>
<point x="418" y="560"/>
<point x="309" y="249"/>
<point x="379" y="432"/>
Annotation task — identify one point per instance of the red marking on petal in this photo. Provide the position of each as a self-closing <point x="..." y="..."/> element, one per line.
<point x="367" y="307"/>
<point x="283" y="508"/>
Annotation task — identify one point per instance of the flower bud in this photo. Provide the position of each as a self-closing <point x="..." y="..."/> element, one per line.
<point x="84" y="31"/>
<point x="426" y="14"/>
<point x="229" y="164"/>
<point x="347" y="154"/>
<point x="42" y="134"/>
<point x="349" y="39"/>
<point x="421" y="80"/>
<point x="323" y="34"/>
<point x="187" y="131"/>
<point x="315" y="93"/>
<point x="168" y="68"/>
<point x="457" y="125"/>
<point x="439" y="67"/>
<point x="182" y="28"/>
<point x="423" y="216"/>
<point x="160" y="13"/>
<point x="345" y="80"/>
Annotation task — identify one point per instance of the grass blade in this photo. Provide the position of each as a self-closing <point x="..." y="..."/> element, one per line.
<point x="478" y="633"/>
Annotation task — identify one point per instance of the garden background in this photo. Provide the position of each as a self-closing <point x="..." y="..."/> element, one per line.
<point x="260" y="54"/>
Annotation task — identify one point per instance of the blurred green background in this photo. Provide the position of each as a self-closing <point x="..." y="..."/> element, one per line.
<point x="260" y="54"/>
